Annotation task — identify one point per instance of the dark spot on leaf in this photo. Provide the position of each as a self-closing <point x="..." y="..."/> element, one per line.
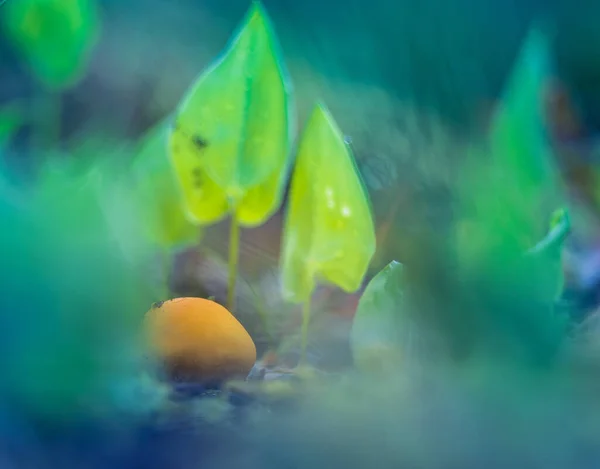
<point x="199" y="142"/>
<point x="198" y="177"/>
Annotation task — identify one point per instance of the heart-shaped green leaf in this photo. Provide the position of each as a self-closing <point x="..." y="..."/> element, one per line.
<point x="231" y="135"/>
<point x="329" y="233"/>
<point x="55" y="36"/>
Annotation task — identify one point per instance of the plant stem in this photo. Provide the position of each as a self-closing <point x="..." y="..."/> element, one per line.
<point x="304" y="332"/>
<point x="262" y="314"/>
<point x="234" y="253"/>
<point x="47" y="114"/>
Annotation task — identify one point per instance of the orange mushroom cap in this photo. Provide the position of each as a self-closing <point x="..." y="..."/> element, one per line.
<point x="198" y="340"/>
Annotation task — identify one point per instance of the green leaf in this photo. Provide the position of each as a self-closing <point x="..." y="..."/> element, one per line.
<point x="329" y="233"/>
<point x="514" y="189"/>
<point x="158" y="195"/>
<point x="376" y="337"/>
<point x="231" y="136"/>
<point x="55" y="36"/>
<point x="261" y="201"/>
<point x="518" y="137"/>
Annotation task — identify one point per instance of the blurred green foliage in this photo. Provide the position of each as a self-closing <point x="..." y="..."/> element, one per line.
<point x="160" y="199"/>
<point x="378" y="336"/>
<point x="512" y="193"/>
<point x="491" y="290"/>
<point x="72" y="296"/>
<point x="54" y="36"/>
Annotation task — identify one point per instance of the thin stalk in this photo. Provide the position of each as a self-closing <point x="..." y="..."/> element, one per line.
<point x="47" y="114"/>
<point x="263" y="315"/>
<point x="234" y="254"/>
<point x="304" y="333"/>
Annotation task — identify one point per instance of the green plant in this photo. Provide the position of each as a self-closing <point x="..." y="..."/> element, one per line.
<point x="500" y="291"/>
<point x="155" y="183"/>
<point x="376" y="335"/>
<point x="56" y="38"/>
<point x="231" y="135"/>
<point x="230" y="147"/>
<point x="513" y="184"/>
<point x="329" y="233"/>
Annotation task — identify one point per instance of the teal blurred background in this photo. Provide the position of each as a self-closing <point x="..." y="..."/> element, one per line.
<point x="449" y="56"/>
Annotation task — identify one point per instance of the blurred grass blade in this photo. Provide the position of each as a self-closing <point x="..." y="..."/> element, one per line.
<point x="514" y="190"/>
<point x="329" y="232"/>
<point x="520" y="140"/>
<point x="518" y="137"/>
<point x="231" y="135"/>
